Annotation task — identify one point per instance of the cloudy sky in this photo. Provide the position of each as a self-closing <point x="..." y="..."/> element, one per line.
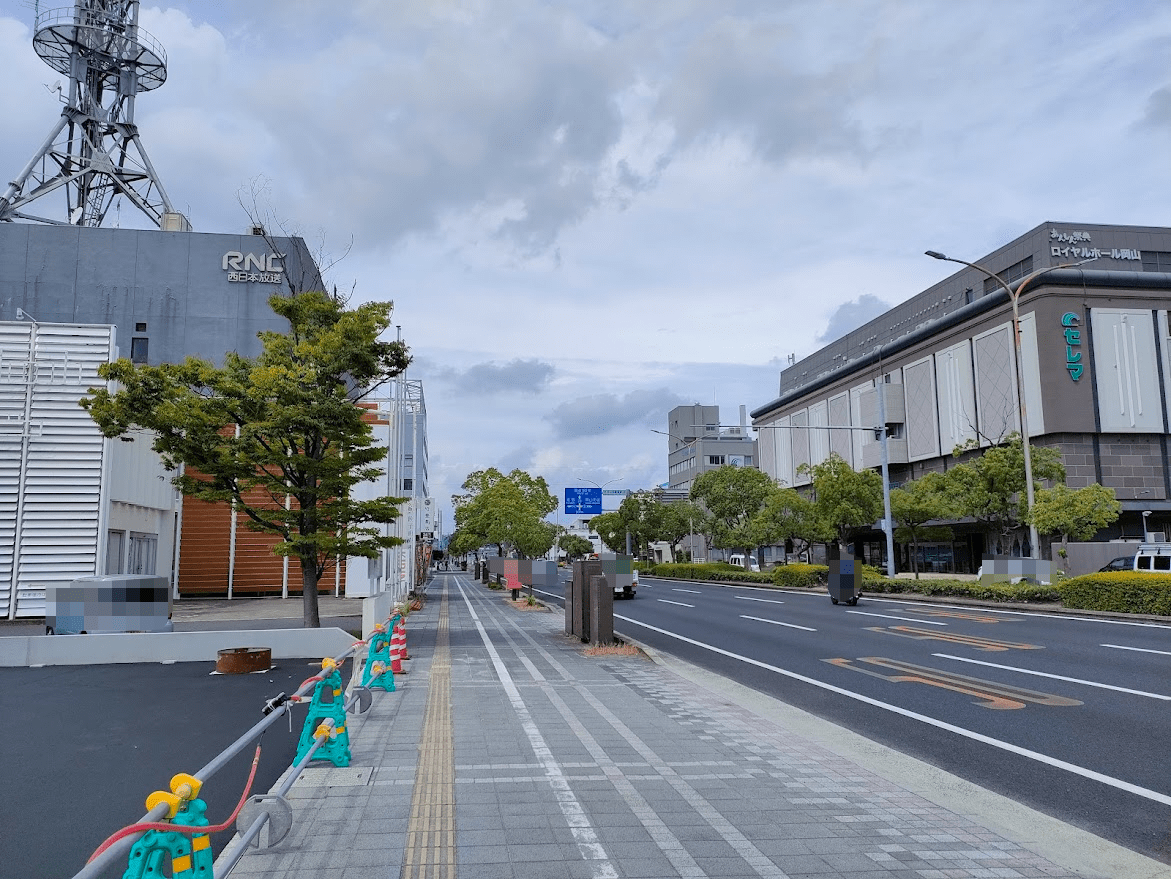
<point x="589" y="212"/>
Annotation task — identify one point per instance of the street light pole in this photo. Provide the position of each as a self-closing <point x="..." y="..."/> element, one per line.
<point x="690" y="524"/>
<point x="1022" y="414"/>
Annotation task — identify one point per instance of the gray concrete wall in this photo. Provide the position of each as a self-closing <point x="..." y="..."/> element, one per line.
<point x="174" y="283"/>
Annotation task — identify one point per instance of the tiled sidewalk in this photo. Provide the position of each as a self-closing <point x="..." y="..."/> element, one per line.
<point x="567" y="765"/>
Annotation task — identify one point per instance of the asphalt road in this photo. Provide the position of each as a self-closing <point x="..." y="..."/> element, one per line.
<point x="85" y="745"/>
<point x="1068" y="715"/>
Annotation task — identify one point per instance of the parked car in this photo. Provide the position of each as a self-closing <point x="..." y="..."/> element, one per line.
<point x="742" y="561"/>
<point x="1153" y="558"/>
<point x="1122" y="563"/>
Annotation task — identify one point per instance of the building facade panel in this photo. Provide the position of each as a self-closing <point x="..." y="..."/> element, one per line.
<point x="956" y="385"/>
<point x="1129" y="396"/>
<point x="840" y="441"/>
<point x="922" y="412"/>
<point x="996" y="408"/>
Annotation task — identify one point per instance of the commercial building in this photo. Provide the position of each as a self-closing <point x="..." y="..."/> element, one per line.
<point x="1095" y="374"/>
<point x="73" y="503"/>
<point x="697" y="443"/>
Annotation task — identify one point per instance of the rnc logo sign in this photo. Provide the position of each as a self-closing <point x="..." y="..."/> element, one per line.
<point x="248" y="267"/>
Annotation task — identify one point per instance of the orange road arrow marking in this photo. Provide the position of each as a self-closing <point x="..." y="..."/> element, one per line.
<point x="988" y="694"/>
<point x="954" y="638"/>
<point x="960" y="615"/>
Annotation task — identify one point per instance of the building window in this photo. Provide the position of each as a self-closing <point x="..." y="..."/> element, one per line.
<point x="143" y="553"/>
<point x="1014" y="272"/>
<point x="408" y="484"/>
<point x="140" y="328"/>
<point x="115" y="540"/>
<point x="715" y="460"/>
<point x="1156" y="261"/>
<point x="138" y="348"/>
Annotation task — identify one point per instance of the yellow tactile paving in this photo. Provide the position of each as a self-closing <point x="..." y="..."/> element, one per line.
<point x="430" y="848"/>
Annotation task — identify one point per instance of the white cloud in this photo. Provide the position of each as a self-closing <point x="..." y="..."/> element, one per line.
<point x="610" y="207"/>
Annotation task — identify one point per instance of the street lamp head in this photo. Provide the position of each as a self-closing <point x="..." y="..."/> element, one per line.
<point x="935" y="254"/>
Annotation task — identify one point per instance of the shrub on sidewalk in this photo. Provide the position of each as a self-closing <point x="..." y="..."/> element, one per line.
<point x="1119" y="591"/>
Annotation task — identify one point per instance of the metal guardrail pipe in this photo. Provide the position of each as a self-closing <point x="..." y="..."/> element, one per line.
<point x="227" y="862"/>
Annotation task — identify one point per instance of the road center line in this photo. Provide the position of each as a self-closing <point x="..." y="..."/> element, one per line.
<point x="1137" y="649"/>
<point x="692" y="591"/>
<point x="1143" y="792"/>
<point x="1042" y="674"/>
<point x="778" y="623"/>
<point x="668" y="601"/>
<point x="905" y="619"/>
<point x="750" y="598"/>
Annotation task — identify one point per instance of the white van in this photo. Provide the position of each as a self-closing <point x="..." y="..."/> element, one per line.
<point x="1153" y="558"/>
<point x="747" y="562"/>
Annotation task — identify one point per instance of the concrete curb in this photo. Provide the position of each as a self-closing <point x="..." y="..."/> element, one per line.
<point x="1081" y="852"/>
<point x="38" y="650"/>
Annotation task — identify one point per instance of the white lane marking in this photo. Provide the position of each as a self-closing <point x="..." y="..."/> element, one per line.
<point x="750" y="598"/>
<point x="1042" y="674"/>
<point x="1137" y="649"/>
<point x="906" y="619"/>
<point x="778" y="623"/>
<point x="666" y="601"/>
<point x="692" y="591"/>
<point x="1143" y="792"/>
<point x="590" y="848"/>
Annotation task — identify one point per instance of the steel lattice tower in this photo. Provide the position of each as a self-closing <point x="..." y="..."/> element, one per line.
<point x="94" y="152"/>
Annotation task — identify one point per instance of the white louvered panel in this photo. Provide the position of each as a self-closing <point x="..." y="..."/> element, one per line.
<point x="14" y="340"/>
<point x="9" y="483"/>
<point x="57" y="536"/>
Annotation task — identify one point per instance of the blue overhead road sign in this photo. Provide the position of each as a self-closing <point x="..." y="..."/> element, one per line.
<point x="583" y="501"/>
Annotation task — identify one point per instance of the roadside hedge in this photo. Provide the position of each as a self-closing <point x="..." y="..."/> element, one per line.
<point x="1119" y="591"/>
<point x="707" y="571"/>
<point x="1023" y="592"/>
<point x="799" y="576"/>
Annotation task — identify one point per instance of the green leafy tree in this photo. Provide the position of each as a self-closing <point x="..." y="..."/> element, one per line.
<point x="505" y="511"/>
<point x="990" y="487"/>
<point x="913" y="506"/>
<point x="786" y="515"/>
<point x="611" y="528"/>
<point x="575" y="546"/>
<point x="681" y="519"/>
<point x="733" y="496"/>
<point x="464" y="542"/>
<point x="642" y="516"/>
<point x="283" y="425"/>
<point x="1079" y="513"/>
<point x="845" y="501"/>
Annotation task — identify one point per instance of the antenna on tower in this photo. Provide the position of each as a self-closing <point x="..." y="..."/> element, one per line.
<point x="93" y="152"/>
